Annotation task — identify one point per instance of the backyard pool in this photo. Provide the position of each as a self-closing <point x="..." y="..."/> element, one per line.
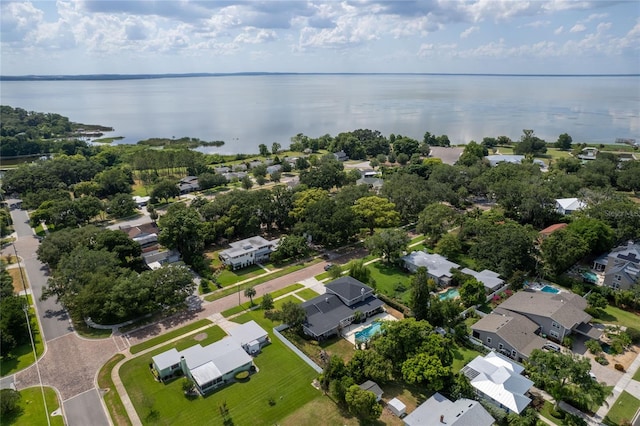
<point x="590" y="277"/>
<point x="451" y="293"/>
<point x="367" y="333"/>
<point x="549" y="289"/>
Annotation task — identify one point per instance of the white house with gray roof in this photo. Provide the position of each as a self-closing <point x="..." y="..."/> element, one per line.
<point x="499" y="381"/>
<point x="247" y="252"/>
<point x="439" y="410"/>
<point x="569" y="205"/>
<point x="213" y="365"/>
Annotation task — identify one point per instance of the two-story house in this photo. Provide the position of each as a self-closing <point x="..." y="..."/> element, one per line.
<point x="621" y="266"/>
<point x="247" y="252"/>
<point x="327" y="314"/>
<point x="557" y="314"/>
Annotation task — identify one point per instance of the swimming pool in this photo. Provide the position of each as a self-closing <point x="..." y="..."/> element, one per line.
<point x="367" y="333"/>
<point x="590" y="277"/>
<point x="451" y="293"/>
<point x="549" y="289"/>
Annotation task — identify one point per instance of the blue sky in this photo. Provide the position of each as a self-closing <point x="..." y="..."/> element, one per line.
<point x="474" y="36"/>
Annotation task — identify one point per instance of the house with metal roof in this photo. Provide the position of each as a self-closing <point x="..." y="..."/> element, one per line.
<point x="213" y="365"/>
<point x="247" y="252"/>
<point x="569" y="205"/>
<point x="439" y="410"/>
<point x="509" y="333"/>
<point x="499" y="381"/>
<point x="372" y="387"/>
<point x="438" y="267"/>
<point x="491" y="280"/>
<point x="327" y="314"/>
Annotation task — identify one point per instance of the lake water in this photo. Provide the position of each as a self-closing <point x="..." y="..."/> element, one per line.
<point x="245" y="111"/>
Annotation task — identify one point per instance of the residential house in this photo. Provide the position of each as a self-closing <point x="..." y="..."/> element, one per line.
<point x="621" y="266"/>
<point x="247" y="252"/>
<point x="341" y="156"/>
<point x="491" y="280"/>
<point x="188" y="184"/>
<point x="551" y="229"/>
<point x="250" y="336"/>
<point x="494" y="160"/>
<point x="240" y="167"/>
<point x="569" y="205"/>
<point x="557" y="314"/>
<point x="274" y="168"/>
<point x="327" y="314"/>
<point x="372" y="182"/>
<point x="141" y="201"/>
<point x="439" y="410"/>
<point x="372" y="387"/>
<point x="438" y="267"/>
<point x="588" y="153"/>
<point x="234" y="175"/>
<point x="155" y="259"/>
<point x="499" y="381"/>
<point x="509" y="333"/>
<point x="211" y="366"/>
<point x="221" y="170"/>
<point x="255" y="163"/>
<point x="145" y="234"/>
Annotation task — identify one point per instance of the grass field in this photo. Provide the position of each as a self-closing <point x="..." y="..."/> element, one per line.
<point x="307" y="294"/>
<point x="112" y="398"/>
<point x="16" y="277"/>
<point x="311" y="348"/>
<point x="291" y="298"/>
<point x="617" y="316"/>
<point x="546" y="413"/>
<point x="32" y="409"/>
<point x="636" y="376"/>
<point x="168" y="336"/>
<point x="391" y="281"/>
<point x="623" y="409"/>
<point x="226" y="277"/>
<point x="462" y="356"/>
<point x="22" y="356"/>
<point x="257" y="301"/>
<point x="248" y="402"/>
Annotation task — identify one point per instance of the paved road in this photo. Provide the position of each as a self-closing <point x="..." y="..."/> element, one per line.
<point x="70" y="363"/>
<point x="54" y="320"/>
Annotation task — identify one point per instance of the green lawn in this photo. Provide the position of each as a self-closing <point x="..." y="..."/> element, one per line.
<point x="22" y="356"/>
<point x="623" y="409"/>
<point x="322" y="276"/>
<point x="112" y="398"/>
<point x="617" y="316"/>
<point x="546" y="413"/>
<point x="89" y="332"/>
<point x="307" y="294"/>
<point x="286" y="290"/>
<point x="278" y="303"/>
<point x="636" y="376"/>
<point x="391" y="281"/>
<point x="248" y="402"/>
<point x="226" y="277"/>
<point x="333" y="346"/>
<point x="168" y="336"/>
<point x="32" y="409"/>
<point x="462" y="356"/>
<point x="259" y="280"/>
<point x="257" y="301"/>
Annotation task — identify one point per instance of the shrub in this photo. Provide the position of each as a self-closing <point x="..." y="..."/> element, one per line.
<point x="634" y="335"/>
<point x="242" y="375"/>
<point x="594" y="346"/>
<point x="619" y="367"/>
<point x="601" y="360"/>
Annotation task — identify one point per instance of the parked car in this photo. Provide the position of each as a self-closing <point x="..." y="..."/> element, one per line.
<point x="593" y="376"/>
<point x="328" y="266"/>
<point x="551" y="347"/>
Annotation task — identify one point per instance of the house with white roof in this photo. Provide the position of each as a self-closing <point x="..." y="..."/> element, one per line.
<point x="438" y="267"/>
<point x="491" y="280"/>
<point x="496" y="159"/>
<point x="247" y="252"/>
<point x="439" y="410"/>
<point x="499" y="381"/>
<point x="213" y="365"/>
<point x="569" y="205"/>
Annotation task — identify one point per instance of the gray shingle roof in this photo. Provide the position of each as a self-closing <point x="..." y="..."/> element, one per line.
<point x="515" y="329"/>
<point x="565" y="308"/>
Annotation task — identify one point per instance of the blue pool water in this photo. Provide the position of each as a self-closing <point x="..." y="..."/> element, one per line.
<point x="367" y="333"/>
<point x="590" y="276"/>
<point x="549" y="289"/>
<point x="452" y="293"/>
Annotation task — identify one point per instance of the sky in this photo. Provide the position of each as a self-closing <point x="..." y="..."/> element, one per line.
<point x="429" y="36"/>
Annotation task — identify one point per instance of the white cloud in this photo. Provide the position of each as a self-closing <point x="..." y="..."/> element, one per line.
<point x="537" y="24"/>
<point x="466" y="33"/>
<point x="559" y="30"/>
<point x="255" y="36"/>
<point x="595" y="16"/>
<point x="577" y="28"/>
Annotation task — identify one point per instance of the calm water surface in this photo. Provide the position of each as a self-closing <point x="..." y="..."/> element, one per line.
<point x="245" y="111"/>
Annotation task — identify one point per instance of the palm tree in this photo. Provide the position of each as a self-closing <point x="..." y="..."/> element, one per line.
<point x="250" y="292"/>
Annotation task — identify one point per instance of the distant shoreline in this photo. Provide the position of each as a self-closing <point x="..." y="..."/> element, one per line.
<point x="100" y="77"/>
